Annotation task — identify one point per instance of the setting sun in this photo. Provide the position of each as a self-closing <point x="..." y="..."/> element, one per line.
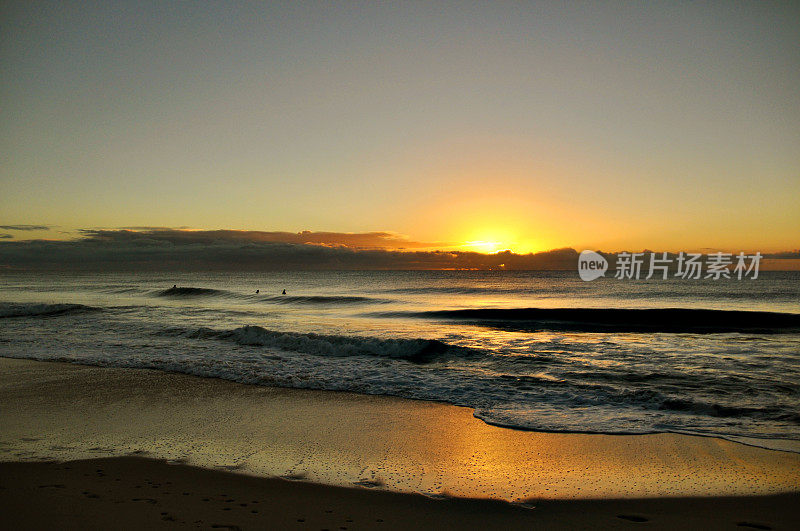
<point x="490" y="237"/>
<point x="493" y="241"/>
<point x="483" y="246"/>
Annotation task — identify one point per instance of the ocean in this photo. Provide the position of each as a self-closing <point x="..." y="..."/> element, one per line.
<point x="526" y="350"/>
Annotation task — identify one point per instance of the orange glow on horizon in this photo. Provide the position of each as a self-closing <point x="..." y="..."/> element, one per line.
<point x="492" y="245"/>
<point x="497" y="235"/>
<point x="482" y="246"/>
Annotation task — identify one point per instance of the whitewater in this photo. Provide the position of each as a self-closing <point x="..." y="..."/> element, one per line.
<point x="526" y="350"/>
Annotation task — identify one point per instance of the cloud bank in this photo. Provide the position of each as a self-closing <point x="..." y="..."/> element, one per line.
<point x="164" y="248"/>
<point x="25" y="227"/>
<point x="153" y="249"/>
<point x="355" y="240"/>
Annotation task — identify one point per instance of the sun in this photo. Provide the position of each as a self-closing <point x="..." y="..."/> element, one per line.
<point x="485" y="246"/>
<point x="495" y="241"/>
<point x="496" y="234"/>
<point x="490" y="241"/>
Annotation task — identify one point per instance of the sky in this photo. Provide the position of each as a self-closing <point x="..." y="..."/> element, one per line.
<point x="475" y="126"/>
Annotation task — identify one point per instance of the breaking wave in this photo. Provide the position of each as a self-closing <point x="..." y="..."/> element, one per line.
<point x="40" y="309"/>
<point x="414" y="350"/>
<point x="189" y="292"/>
<point x="332" y="300"/>
<point x="323" y="299"/>
<point x="675" y="320"/>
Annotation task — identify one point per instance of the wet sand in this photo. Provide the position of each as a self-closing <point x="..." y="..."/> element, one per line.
<point x="138" y="493"/>
<point x="324" y="444"/>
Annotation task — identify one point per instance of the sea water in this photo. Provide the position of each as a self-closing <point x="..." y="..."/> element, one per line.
<point x="527" y="350"/>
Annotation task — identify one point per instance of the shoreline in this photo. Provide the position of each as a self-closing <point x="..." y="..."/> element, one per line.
<point x="778" y="445"/>
<point x="64" y="411"/>
<point x="57" y="415"/>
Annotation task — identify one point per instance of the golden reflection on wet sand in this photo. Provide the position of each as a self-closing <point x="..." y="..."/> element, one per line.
<point x="63" y="411"/>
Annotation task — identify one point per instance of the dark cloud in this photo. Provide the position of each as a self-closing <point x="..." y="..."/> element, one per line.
<point x="6" y="236"/>
<point x="229" y="250"/>
<point x="784" y="255"/>
<point x="246" y="250"/>
<point x="356" y="240"/>
<point x="25" y="227"/>
<point x="148" y="228"/>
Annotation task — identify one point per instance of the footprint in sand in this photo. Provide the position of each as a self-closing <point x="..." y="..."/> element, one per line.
<point x="369" y="483"/>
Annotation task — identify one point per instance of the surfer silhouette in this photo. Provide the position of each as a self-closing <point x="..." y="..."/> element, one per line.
<point x="257" y="292"/>
<point x="284" y="292"/>
<point x="174" y="286"/>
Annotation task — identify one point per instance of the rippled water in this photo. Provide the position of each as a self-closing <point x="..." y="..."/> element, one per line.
<point x="533" y="361"/>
